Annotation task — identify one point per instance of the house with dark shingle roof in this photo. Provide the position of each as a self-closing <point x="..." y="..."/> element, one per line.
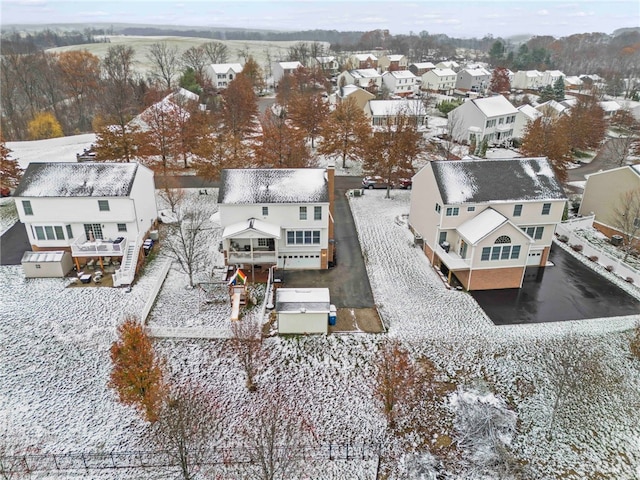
<point x="94" y="210"/>
<point x="484" y="221"/>
<point x="278" y="216"/>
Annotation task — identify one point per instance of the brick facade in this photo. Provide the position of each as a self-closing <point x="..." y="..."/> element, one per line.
<point x="497" y="278"/>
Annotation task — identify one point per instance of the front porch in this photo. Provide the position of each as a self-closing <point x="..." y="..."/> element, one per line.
<point x="252" y="242"/>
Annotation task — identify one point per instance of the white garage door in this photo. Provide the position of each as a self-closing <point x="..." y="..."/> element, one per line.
<point x="535" y="256"/>
<point x="300" y="260"/>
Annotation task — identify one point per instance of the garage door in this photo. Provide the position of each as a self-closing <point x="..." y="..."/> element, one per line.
<point x="534" y="258"/>
<point x="299" y="260"/>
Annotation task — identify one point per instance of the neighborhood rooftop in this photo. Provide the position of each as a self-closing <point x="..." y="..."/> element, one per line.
<point x="77" y="180"/>
<point x="473" y="181"/>
<point x="495" y="106"/>
<point x="277" y="185"/>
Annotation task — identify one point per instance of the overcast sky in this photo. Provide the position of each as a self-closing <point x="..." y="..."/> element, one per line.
<point x="463" y="19"/>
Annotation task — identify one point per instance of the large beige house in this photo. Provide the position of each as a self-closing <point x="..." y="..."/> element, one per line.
<point x="483" y="222"/>
<point x="603" y="194"/>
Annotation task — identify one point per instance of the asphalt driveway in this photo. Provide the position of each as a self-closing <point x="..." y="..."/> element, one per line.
<point x="348" y="282"/>
<point x="569" y="290"/>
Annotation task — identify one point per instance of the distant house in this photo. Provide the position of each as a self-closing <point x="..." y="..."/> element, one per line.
<point x="603" y="194"/>
<point x="369" y="79"/>
<point x="448" y="64"/>
<point x="492" y="119"/>
<point x="550" y="77"/>
<point x="392" y="63"/>
<point x="381" y="111"/>
<point x="553" y="109"/>
<point x="527" y="80"/>
<point x="280" y="217"/>
<point x="442" y="80"/>
<point x="221" y="74"/>
<point x="360" y="95"/>
<point x="328" y="64"/>
<point x="399" y="82"/>
<point x="484" y="221"/>
<point x="280" y="69"/>
<point x="363" y="61"/>
<point x="527" y="115"/>
<point x="176" y="105"/>
<point x="473" y="79"/>
<point x="573" y="83"/>
<point x="94" y="210"/>
<point x="418" y="69"/>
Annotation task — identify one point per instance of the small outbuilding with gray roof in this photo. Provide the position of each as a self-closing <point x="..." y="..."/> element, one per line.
<point x="302" y="310"/>
<point x="484" y="221"/>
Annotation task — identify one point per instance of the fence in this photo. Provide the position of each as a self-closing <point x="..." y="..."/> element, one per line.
<point x="188" y="332"/>
<point x="23" y="464"/>
<point x="604" y="258"/>
<point x="156" y="289"/>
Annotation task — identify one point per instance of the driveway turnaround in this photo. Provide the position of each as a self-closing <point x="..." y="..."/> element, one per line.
<point x="348" y="282"/>
<point x="569" y="290"/>
<point x="13" y="244"/>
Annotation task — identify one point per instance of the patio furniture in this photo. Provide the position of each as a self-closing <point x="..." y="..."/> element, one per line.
<point x="86" y="278"/>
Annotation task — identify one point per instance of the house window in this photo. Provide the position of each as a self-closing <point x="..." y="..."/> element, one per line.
<point x="486" y="252"/>
<point x="538" y="234"/>
<point x="303" y="237"/>
<point x="517" y="210"/>
<point x="317" y="213"/>
<point x="506" y="250"/>
<point x="495" y="253"/>
<point x="265" y="211"/>
<point x="452" y="211"/>
<point x="69" y="232"/>
<point x="303" y="213"/>
<point x="40" y="233"/>
<point x="500" y="252"/>
<point x="442" y="238"/>
<point x="26" y="206"/>
<point x="94" y="228"/>
<point x="59" y="232"/>
<point x="515" y="252"/>
<point x="103" y="205"/>
<point x="262" y="242"/>
<point x="471" y="209"/>
<point x="122" y="227"/>
<point x="503" y="239"/>
<point x="49" y="231"/>
<point x="438" y="207"/>
<point x="546" y="208"/>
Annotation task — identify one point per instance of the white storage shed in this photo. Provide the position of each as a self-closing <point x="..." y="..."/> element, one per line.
<point x="302" y="310"/>
<point x="46" y="264"/>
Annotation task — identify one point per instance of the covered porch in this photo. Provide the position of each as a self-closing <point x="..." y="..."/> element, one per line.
<point x="252" y="242"/>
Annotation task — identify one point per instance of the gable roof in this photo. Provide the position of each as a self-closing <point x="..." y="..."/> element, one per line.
<point x="87" y="179"/>
<point x="290" y="65"/>
<point x="273" y="185"/>
<point x="225" y="67"/>
<point x="421" y="65"/>
<point x="385" y="108"/>
<point x="494" y="106"/>
<point x="365" y="56"/>
<point x="478" y="227"/>
<point x="400" y="74"/>
<point x="365" y="73"/>
<point x="530" y="112"/>
<point x="265" y="229"/>
<point x="496" y="180"/>
<point x="477" y="72"/>
<point x="442" y="72"/>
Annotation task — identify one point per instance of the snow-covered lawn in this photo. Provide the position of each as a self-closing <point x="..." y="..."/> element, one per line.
<point x="63" y="149"/>
<point x="54" y="362"/>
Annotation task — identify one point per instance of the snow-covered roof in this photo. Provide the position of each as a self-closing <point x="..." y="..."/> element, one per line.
<point x="349" y="89"/>
<point x="478" y="227"/>
<point x="184" y="94"/>
<point x="610" y="106"/>
<point x="533" y="73"/>
<point x="424" y="65"/>
<point x="530" y="112"/>
<point x="478" y="72"/>
<point x="494" y="106"/>
<point x="273" y="185"/>
<point x="449" y="64"/>
<point x="365" y="73"/>
<point x="365" y="56"/>
<point x="290" y="65"/>
<point x="87" y="179"/>
<point x="323" y="60"/>
<point x="573" y="80"/>
<point x="512" y="179"/>
<point x="395" y="58"/>
<point x="400" y="74"/>
<point x="552" y="105"/>
<point x="386" y="108"/>
<point x="225" y="67"/>
<point x="264" y="228"/>
<point x="312" y="300"/>
<point x="42" y="257"/>
<point x="442" y="72"/>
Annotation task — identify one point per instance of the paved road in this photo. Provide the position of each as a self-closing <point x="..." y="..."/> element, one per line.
<point x="604" y="160"/>
<point x="13" y="244"/>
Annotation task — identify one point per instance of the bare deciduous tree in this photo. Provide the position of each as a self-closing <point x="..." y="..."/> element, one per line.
<point x="164" y="62"/>
<point x="626" y="219"/>
<point x="188" y="426"/>
<point x="170" y="192"/>
<point x="216" y="52"/>
<point x="246" y="343"/>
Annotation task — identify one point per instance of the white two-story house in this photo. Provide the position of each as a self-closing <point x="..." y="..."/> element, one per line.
<point x="527" y="80"/>
<point x="383" y="112"/>
<point x="222" y="74"/>
<point x="280" y="69"/>
<point x="442" y="80"/>
<point x="280" y="217"/>
<point x="368" y="79"/>
<point x="485" y="221"/>
<point x="400" y="82"/>
<point x="490" y="118"/>
<point x="475" y="79"/>
<point x="93" y="210"/>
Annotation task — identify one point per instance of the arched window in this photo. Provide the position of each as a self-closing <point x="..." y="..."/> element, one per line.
<point x="503" y="239"/>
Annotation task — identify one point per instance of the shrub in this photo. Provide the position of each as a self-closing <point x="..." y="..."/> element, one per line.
<point x="563" y="238"/>
<point x="577" y="247"/>
<point x="593" y="258"/>
<point x="628" y="279"/>
<point x="609" y="268"/>
<point x="634" y="344"/>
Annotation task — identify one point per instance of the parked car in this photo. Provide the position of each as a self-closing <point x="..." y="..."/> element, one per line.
<point x="375" y="182"/>
<point x="405" y="183"/>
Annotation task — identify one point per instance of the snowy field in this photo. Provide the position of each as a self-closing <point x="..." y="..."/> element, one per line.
<point x="54" y="364"/>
